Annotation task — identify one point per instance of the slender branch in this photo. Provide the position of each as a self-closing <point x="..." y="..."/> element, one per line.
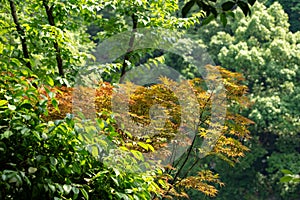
<point x="131" y="41"/>
<point x="20" y="32"/>
<point x="59" y="60"/>
<point x="197" y="160"/>
<point x="192" y="145"/>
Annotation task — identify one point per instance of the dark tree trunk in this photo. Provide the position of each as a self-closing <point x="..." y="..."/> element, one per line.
<point x="20" y="32"/>
<point x="132" y="38"/>
<point x="55" y="44"/>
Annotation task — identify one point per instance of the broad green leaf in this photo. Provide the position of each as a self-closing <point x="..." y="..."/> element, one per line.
<point x="228" y="5"/>
<point x="67" y="188"/>
<point x="52" y="187"/>
<point x="286" y="179"/>
<point x="11" y="107"/>
<point x="75" y="190"/>
<point x="244" y="6"/>
<point x="6" y="134"/>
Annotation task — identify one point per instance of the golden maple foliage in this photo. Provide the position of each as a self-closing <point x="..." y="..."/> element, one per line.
<point x="229" y="145"/>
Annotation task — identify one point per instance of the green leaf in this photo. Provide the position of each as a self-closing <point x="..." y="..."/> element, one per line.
<point x="138" y="155"/>
<point x="207" y="20"/>
<point x="228" y="5"/>
<point x="187" y="7"/>
<point x="143" y="145"/>
<point x="6" y="134"/>
<point x="231" y="14"/>
<point x="53" y="161"/>
<point x="52" y="187"/>
<point x="286" y="179"/>
<point x="49" y="80"/>
<point x="285" y="171"/>
<point x="55" y="104"/>
<point x="115" y="180"/>
<point x="223" y="19"/>
<point x="67" y="188"/>
<point x="26" y="105"/>
<point x="84" y="193"/>
<point x="162" y="183"/>
<point x="24" y="72"/>
<point x="75" y="190"/>
<point x="117" y="172"/>
<point x="151" y="147"/>
<point x="11" y="107"/>
<point x="32" y="170"/>
<point x="244" y="6"/>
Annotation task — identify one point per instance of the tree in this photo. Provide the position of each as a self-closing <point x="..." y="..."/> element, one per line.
<point x="292" y="8"/>
<point x="263" y="49"/>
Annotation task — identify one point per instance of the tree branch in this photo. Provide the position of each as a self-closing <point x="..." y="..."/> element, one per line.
<point x="55" y="43"/>
<point x="192" y="145"/>
<point x="20" y="32"/>
<point x="131" y="41"/>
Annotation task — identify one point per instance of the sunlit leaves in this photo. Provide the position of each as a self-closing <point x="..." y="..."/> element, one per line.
<point x="202" y="182"/>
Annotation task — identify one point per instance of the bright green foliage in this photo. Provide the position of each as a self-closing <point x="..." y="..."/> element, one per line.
<point x="68" y="33"/>
<point x="292" y="8"/>
<point x="289" y="176"/>
<point x="263" y="49"/>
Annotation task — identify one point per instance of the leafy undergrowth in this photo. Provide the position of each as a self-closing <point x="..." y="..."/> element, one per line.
<point x="48" y="160"/>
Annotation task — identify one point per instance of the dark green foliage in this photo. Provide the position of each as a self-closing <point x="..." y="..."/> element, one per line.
<point x="214" y="8"/>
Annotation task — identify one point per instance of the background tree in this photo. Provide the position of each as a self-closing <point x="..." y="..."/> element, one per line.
<point x="262" y="48"/>
<point x="292" y="8"/>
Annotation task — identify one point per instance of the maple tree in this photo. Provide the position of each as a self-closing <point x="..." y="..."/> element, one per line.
<point x="228" y="147"/>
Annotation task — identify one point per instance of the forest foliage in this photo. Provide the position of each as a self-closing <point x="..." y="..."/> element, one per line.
<point x="49" y="151"/>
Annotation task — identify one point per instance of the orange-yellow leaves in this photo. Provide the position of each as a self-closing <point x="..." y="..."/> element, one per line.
<point x="231" y="134"/>
<point x="202" y="182"/>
